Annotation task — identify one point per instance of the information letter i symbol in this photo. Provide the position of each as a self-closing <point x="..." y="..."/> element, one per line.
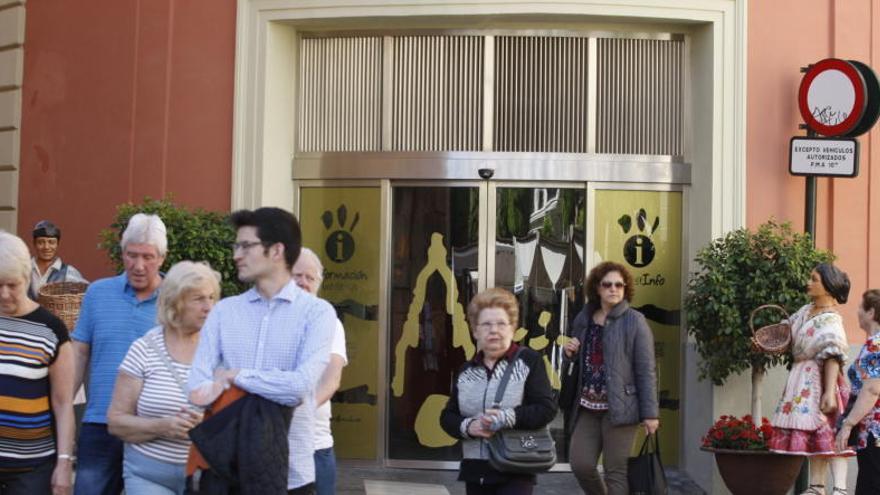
<point x="640" y="246"/>
<point x="340" y="247"/>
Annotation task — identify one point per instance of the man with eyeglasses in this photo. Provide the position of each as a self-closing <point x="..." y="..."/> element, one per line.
<point x="273" y="340"/>
<point x="115" y="312"/>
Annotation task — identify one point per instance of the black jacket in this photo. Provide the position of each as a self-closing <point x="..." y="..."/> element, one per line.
<point x="628" y="349"/>
<point x="246" y="446"/>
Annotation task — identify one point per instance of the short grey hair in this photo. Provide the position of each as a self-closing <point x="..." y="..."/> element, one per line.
<point x="183" y="277"/>
<point x="146" y="229"/>
<point x="15" y="259"/>
<point x="307" y="254"/>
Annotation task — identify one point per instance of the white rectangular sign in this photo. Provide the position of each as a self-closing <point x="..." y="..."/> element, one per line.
<point x="824" y="157"/>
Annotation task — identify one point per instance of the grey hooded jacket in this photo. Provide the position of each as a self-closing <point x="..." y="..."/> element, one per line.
<point x="628" y="348"/>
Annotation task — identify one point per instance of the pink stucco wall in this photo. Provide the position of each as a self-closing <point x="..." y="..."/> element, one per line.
<point x="784" y="35"/>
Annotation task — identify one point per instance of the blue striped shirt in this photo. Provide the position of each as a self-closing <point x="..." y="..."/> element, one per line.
<point x="281" y="346"/>
<point x="111" y="318"/>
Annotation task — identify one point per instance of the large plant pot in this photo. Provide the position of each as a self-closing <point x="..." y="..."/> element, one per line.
<point x="757" y="472"/>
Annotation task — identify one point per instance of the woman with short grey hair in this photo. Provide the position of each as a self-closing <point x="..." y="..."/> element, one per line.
<point x="36" y="377"/>
<point x="150" y="411"/>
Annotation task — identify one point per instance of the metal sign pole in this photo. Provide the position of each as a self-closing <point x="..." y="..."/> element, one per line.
<point x="810" y="206"/>
<point x="803" y="479"/>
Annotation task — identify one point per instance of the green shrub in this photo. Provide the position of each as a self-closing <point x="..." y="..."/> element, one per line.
<point x="738" y="273"/>
<point x="195" y="235"/>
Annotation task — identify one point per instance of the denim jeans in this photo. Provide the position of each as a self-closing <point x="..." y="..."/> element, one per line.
<point x="99" y="467"/>
<point x="144" y="475"/>
<point x="37" y="480"/>
<point x="325" y="472"/>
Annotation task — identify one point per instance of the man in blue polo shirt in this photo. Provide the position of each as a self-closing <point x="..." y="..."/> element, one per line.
<point x="115" y="312"/>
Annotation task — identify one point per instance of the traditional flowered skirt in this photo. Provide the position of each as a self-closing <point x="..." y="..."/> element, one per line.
<point x="819" y="442"/>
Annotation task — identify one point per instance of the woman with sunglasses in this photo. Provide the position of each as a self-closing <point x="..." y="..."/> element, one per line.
<point x="610" y="361"/>
<point x="816" y="391"/>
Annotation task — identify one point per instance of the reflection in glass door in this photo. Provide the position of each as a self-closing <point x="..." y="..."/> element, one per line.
<point x="539" y="253"/>
<point x="435" y="260"/>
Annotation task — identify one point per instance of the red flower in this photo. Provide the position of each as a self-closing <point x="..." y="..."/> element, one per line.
<point x="805" y="393"/>
<point x="731" y="432"/>
<point x="786" y="408"/>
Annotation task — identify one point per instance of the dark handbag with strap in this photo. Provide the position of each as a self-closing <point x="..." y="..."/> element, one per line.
<point x="568" y="391"/>
<point x="645" y="471"/>
<point x="520" y="451"/>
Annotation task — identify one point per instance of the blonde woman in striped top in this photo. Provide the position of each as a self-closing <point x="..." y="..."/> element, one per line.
<point x="149" y="411"/>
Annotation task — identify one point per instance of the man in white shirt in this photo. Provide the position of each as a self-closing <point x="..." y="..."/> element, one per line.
<point x="46" y="265"/>
<point x="308" y="275"/>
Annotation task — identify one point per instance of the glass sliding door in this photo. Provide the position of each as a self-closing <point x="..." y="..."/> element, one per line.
<point x="539" y="256"/>
<point x="434" y="273"/>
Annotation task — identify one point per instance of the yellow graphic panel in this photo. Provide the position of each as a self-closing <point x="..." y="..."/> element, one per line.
<point x="540" y="342"/>
<point x="428" y="428"/>
<point x="341" y="225"/>
<point x="409" y="337"/>
<point x="643" y="231"/>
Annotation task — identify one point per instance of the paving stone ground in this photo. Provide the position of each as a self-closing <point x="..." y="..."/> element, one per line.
<point x="353" y="479"/>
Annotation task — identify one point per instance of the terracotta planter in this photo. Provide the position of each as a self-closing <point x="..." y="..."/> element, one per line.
<point x="756" y="472"/>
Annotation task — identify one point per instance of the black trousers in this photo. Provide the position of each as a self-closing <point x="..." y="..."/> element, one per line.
<point x="868" y="480"/>
<point x="303" y="490"/>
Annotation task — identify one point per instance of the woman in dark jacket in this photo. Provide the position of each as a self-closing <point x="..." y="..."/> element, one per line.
<point x="611" y="366"/>
<point x="527" y="402"/>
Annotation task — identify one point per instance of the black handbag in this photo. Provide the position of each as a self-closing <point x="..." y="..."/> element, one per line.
<point x="645" y="471"/>
<point x="520" y="451"/>
<point x="568" y="391"/>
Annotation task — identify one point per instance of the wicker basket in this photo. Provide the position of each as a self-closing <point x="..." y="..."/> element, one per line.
<point x="772" y="339"/>
<point x="63" y="299"/>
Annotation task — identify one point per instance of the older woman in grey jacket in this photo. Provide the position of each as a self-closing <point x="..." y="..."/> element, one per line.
<point x="612" y="369"/>
<point x="527" y="402"/>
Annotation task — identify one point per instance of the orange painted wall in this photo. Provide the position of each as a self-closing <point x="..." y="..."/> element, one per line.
<point x="785" y="35"/>
<point x="123" y="99"/>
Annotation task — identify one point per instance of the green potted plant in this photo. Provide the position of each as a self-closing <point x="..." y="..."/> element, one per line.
<point x="736" y="274"/>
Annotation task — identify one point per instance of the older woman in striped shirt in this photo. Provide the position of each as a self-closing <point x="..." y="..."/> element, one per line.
<point x="36" y="385"/>
<point x="149" y="411"/>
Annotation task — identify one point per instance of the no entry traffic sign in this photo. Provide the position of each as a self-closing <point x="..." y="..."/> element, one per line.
<point x="839" y="97"/>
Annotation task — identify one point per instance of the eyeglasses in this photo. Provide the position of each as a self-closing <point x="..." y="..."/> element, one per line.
<point x="244" y="245"/>
<point x="489" y="324"/>
<point x="607" y="285"/>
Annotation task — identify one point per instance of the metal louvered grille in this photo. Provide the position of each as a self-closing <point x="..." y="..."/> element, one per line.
<point x="429" y="93"/>
<point x="639" y="94"/>
<point x="341" y="94"/>
<point x="540" y="94"/>
<point x="437" y="93"/>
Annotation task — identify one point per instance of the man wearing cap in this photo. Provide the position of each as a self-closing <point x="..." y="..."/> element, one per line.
<point x="46" y="265"/>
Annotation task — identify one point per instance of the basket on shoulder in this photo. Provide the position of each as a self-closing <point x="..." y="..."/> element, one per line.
<point x="771" y="339"/>
<point x="63" y="299"/>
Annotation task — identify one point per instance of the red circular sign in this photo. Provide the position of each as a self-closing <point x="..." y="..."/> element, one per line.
<point x="832" y="97"/>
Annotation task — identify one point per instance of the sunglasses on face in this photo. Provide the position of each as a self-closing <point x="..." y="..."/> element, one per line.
<point x="607" y="285"/>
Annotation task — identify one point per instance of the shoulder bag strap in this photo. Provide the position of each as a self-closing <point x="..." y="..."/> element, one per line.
<point x="151" y="341"/>
<point x="502" y="386"/>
